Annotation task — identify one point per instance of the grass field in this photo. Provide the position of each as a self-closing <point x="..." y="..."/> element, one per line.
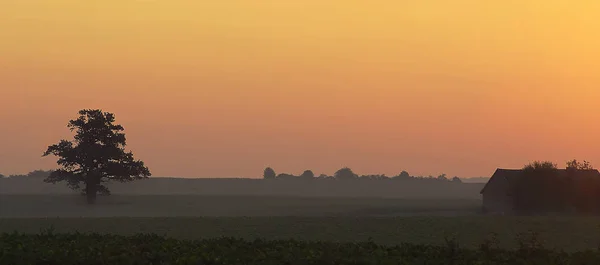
<point x="568" y="233"/>
<point x="385" y="221"/>
<point x="95" y="249"/>
<point x="193" y="205"/>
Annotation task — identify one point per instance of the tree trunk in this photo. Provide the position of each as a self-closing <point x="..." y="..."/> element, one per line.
<point x="90" y="193"/>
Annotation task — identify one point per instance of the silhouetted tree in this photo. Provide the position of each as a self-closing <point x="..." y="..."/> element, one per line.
<point x="456" y="180"/>
<point x="442" y="177"/>
<point x="583" y="186"/>
<point x="540" y="189"/>
<point x="95" y="155"/>
<point x="2" y="176"/>
<point x="307" y="174"/>
<point x="324" y="176"/>
<point x="574" y="164"/>
<point x="269" y="173"/>
<point x="285" y="176"/>
<point x="402" y="176"/>
<point x="544" y="188"/>
<point x="32" y="174"/>
<point x="40" y="174"/>
<point x="345" y="174"/>
<point x="540" y="166"/>
<point x="374" y="177"/>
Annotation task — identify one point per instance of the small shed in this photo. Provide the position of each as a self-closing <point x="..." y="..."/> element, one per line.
<point x="496" y="192"/>
<point x="583" y="185"/>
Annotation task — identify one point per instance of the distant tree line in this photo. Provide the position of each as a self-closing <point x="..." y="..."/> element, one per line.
<point x="346" y="173"/>
<point x="545" y="188"/>
<point x="38" y="174"/>
<point x="96" y="155"/>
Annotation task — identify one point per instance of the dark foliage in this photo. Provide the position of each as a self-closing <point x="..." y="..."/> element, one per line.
<point x="402" y="176"/>
<point x="286" y="176"/>
<point x="96" y="249"/>
<point x="269" y="173"/>
<point x="307" y="174"/>
<point x="373" y="177"/>
<point x="36" y="174"/>
<point x="345" y="174"/>
<point x="544" y="188"/>
<point x="96" y="155"/>
<point x="574" y="164"/>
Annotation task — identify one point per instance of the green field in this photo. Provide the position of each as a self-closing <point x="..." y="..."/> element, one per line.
<point x="95" y="249"/>
<point x="384" y="221"/>
<point x="197" y="206"/>
<point x="568" y="233"/>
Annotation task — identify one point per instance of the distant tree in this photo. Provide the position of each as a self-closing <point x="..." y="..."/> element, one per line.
<point x="476" y="180"/>
<point x="540" y="188"/>
<point x="307" y="174"/>
<point x="456" y="180"/>
<point x="574" y="164"/>
<point x="269" y="173"/>
<point x="540" y="166"/>
<point x="544" y="188"/>
<point x="442" y="177"/>
<point x="324" y="176"/>
<point x="367" y="177"/>
<point x="374" y="177"/>
<point x="582" y="187"/>
<point x="404" y="175"/>
<point x="345" y="174"/>
<point x="95" y="155"/>
<point x="2" y="176"/>
<point x="285" y="176"/>
<point x="40" y="174"/>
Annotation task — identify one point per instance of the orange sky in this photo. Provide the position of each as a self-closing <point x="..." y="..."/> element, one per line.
<point x="225" y="88"/>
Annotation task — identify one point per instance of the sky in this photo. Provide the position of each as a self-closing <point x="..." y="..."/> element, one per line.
<point x="227" y="88"/>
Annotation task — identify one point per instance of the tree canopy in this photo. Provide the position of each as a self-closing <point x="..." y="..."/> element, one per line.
<point x="269" y="173"/>
<point x="574" y="164"/>
<point x="95" y="155"/>
<point x="345" y="174"/>
<point x="545" y="188"/>
<point x="307" y="174"/>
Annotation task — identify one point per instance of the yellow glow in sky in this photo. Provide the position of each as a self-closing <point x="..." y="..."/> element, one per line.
<point x="226" y="88"/>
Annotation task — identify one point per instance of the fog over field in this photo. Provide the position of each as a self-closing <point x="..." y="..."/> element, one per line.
<point x="287" y="187"/>
<point x="29" y="196"/>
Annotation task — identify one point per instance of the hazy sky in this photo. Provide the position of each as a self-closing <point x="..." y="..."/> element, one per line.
<point x="225" y="88"/>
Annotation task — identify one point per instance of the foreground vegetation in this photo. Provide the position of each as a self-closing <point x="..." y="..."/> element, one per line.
<point x="567" y="233"/>
<point x="92" y="249"/>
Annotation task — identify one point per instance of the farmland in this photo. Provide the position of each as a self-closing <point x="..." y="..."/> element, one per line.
<point x="190" y="228"/>
<point x="59" y="205"/>
<point x="65" y="249"/>
<point x="385" y="221"/>
<point x="568" y="233"/>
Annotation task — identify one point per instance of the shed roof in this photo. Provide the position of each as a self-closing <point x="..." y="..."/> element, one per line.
<point x="512" y="175"/>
